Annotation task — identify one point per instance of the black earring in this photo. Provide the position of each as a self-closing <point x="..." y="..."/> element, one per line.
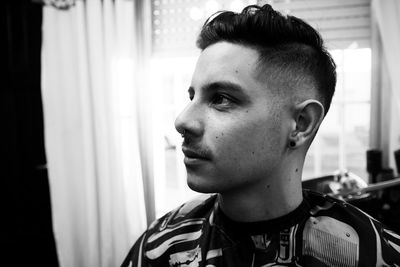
<point x="292" y="144"/>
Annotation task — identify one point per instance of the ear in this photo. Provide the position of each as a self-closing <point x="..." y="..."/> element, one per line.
<point x="308" y="117"/>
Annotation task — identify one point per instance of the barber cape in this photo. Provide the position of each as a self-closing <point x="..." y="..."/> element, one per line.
<point x="322" y="231"/>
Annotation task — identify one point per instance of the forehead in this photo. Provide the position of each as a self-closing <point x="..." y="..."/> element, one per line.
<point x="226" y="61"/>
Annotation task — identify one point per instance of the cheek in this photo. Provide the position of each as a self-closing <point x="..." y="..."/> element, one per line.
<point x="248" y="140"/>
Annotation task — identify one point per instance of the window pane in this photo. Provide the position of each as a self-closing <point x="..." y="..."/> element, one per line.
<point x="357" y="86"/>
<point x="323" y="155"/>
<point x="357" y="136"/>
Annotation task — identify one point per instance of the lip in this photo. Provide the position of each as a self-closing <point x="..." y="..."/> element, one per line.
<point x="194" y="156"/>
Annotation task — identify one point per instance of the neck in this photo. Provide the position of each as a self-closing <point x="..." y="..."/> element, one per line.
<point x="277" y="196"/>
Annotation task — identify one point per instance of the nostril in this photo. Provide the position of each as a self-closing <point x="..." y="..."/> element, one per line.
<point x="180" y="129"/>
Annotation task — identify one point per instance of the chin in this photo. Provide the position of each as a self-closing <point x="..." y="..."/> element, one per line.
<point x="207" y="184"/>
<point x="200" y="188"/>
<point x="200" y="185"/>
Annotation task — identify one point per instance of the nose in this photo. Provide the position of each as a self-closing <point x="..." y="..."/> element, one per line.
<point x="189" y="121"/>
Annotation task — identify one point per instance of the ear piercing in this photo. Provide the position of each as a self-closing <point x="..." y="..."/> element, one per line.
<point x="183" y="134"/>
<point x="292" y="144"/>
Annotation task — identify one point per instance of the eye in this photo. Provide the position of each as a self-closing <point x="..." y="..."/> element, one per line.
<point x="220" y="99"/>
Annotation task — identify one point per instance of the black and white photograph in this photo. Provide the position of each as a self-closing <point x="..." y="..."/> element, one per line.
<point x="201" y="133"/>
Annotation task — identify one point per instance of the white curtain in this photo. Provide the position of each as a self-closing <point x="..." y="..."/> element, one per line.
<point x="385" y="112"/>
<point x="97" y="134"/>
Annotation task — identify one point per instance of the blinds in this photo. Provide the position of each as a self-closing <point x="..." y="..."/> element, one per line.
<point x="342" y="23"/>
<point x="176" y="23"/>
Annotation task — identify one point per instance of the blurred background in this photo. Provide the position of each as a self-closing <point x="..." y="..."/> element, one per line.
<point x="91" y="94"/>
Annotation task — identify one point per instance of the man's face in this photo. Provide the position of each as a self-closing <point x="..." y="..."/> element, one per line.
<point x="235" y="127"/>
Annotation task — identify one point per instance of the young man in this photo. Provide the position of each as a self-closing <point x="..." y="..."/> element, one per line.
<point x="261" y="88"/>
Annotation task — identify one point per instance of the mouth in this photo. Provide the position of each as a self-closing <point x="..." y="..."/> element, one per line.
<point x="195" y="156"/>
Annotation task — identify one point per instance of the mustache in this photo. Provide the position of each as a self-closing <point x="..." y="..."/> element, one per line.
<point x="189" y="147"/>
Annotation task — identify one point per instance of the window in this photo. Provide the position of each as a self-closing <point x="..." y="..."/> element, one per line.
<point x="173" y="76"/>
<point x="342" y="140"/>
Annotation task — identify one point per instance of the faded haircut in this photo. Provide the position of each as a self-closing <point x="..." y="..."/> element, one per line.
<point x="289" y="48"/>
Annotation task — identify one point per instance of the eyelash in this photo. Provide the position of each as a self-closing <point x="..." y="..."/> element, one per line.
<point x="217" y="97"/>
<point x="222" y="97"/>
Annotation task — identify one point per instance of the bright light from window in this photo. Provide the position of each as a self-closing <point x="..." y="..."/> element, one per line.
<point x="237" y="6"/>
<point x="212" y="6"/>
<point x="196" y="13"/>
<point x="170" y="91"/>
<point x="357" y="60"/>
<point x="342" y="140"/>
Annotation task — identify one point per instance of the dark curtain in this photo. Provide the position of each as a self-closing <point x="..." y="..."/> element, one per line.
<point x="28" y="233"/>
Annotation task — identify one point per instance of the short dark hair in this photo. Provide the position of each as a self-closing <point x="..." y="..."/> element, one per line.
<point x="288" y="43"/>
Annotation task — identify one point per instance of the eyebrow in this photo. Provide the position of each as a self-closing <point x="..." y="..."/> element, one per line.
<point x="225" y="85"/>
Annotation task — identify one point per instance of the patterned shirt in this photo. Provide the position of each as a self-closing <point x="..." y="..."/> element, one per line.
<point x="322" y="231"/>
